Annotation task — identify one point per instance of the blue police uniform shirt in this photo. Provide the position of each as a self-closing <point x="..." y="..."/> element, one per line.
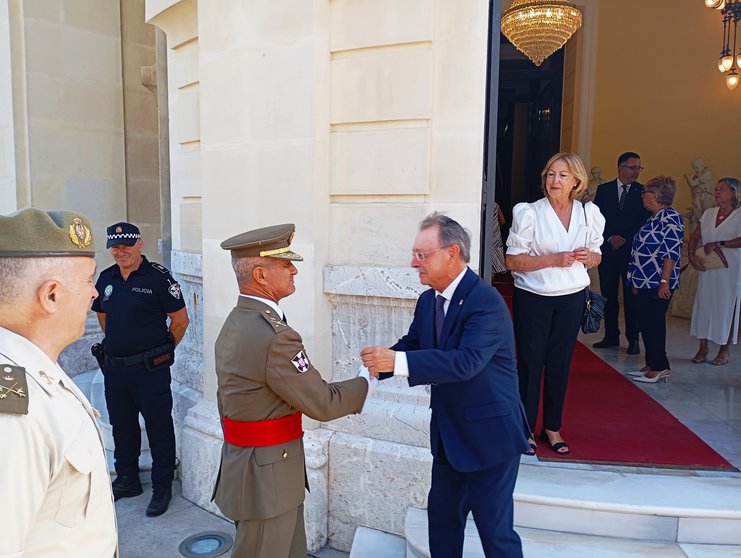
<point x="136" y="309"/>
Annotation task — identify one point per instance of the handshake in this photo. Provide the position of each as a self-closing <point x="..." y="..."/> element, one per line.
<point x="378" y="359"/>
<point x="375" y="361"/>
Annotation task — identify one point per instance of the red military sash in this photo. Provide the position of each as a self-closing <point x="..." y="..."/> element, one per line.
<point x="249" y="434"/>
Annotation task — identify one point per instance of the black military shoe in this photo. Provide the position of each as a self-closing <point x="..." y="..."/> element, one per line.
<point x="126" y="487"/>
<point x="605" y="343"/>
<point x="633" y="347"/>
<point x="159" y="502"/>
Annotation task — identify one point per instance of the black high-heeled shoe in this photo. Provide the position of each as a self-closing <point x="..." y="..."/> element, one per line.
<point x="555" y="447"/>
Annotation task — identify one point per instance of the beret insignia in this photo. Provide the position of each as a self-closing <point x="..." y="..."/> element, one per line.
<point x="79" y="234"/>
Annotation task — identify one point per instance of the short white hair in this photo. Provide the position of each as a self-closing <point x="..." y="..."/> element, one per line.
<point x="21" y="276"/>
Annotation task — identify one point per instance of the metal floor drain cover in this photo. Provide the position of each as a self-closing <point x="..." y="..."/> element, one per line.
<point x="206" y="545"/>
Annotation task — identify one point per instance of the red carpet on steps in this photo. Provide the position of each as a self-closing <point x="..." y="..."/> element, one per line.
<point x="608" y="419"/>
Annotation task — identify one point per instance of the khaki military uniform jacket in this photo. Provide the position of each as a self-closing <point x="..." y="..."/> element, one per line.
<point x="54" y="480"/>
<point x="263" y="373"/>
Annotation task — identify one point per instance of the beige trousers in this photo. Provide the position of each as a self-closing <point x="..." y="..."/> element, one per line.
<point x="283" y="536"/>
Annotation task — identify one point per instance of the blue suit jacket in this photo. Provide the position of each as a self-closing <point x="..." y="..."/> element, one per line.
<point x="476" y="410"/>
<point x="627" y="223"/>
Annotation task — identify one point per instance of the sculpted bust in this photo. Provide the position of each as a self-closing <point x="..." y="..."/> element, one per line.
<point x="594" y="181"/>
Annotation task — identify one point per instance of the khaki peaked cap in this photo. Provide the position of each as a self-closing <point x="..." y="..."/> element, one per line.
<point x="267" y="242"/>
<point x="35" y="233"/>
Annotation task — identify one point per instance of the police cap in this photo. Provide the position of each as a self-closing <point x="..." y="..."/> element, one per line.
<point x="267" y="242"/>
<point x="122" y="234"/>
<point x="35" y="233"/>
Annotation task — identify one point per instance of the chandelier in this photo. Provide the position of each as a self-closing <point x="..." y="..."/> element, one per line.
<point x="538" y="28"/>
<point x="730" y="58"/>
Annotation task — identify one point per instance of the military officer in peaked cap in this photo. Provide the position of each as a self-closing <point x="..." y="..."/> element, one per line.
<point x="137" y="298"/>
<point x="266" y="382"/>
<point x="53" y="474"/>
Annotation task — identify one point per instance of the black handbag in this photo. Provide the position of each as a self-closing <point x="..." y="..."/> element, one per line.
<point x="594" y="311"/>
<point x="594" y="304"/>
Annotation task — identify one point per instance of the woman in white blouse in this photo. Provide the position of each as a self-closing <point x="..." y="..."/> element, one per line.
<point x="551" y="244"/>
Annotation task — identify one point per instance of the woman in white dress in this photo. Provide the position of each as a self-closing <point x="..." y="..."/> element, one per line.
<point x="715" y="315"/>
<point x="552" y="243"/>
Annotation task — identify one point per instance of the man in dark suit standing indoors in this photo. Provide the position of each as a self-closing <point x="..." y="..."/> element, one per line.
<point x="266" y="382"/>
<point x="621" y="204"/>
<point x="461" y="343"/>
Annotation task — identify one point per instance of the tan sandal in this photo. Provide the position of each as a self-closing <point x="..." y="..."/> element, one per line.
<point x="700" y="356"/>
<point x="721" y="359"/>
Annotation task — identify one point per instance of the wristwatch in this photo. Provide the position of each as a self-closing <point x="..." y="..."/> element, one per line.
<point x="663" y="281"/>
<point x="722" y="242"/>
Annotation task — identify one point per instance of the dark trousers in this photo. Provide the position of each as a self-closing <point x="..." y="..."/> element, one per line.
<point x="132" y="390"/>
<point x="545" y="331"/>
<point x="652" y="323"/>
<point x="612" y="275"/>
<point x="487" y="495"/>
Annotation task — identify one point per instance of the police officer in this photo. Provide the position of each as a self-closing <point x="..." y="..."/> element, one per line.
<point x="136" y="299"/>
<point x="265" y="383"/>
<point x="54" y="480"/>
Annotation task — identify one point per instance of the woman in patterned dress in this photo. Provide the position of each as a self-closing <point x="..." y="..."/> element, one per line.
<point x="653" y="274"/>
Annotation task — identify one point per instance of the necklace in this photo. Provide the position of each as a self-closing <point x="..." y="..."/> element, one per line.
<point x="720" y="218"/>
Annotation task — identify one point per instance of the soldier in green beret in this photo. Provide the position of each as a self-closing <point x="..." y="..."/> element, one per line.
<point x="53" y="474"/>
<point x="265" y="383"/>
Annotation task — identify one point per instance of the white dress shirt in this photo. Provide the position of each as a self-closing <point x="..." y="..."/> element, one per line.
<point x="401" y="367"/>
<point x="620" y="188"/>
<point x="537" y="231"/>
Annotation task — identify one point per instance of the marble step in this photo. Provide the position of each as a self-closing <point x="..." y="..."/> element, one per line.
<point x="372" y="543"/>
<point x="538" y="543"/>
<point x="631" y="503"/>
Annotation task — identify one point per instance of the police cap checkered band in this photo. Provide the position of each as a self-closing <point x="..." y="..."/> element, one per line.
<point x="122" y="234"/>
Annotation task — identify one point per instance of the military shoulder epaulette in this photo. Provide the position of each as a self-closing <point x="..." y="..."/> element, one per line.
<point x="274" y="320"/>
<point x="159" y="267"/>
<point x="13" y="389"/>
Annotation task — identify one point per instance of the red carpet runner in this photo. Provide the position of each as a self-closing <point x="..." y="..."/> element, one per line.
<point x="608" y="419"/>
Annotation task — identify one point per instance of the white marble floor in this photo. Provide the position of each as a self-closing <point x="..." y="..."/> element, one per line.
<point x="706" y="398"/>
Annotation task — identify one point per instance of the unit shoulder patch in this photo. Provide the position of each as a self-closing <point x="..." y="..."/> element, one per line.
<point x="13" y="389"/>
<point x="301" y="361"/>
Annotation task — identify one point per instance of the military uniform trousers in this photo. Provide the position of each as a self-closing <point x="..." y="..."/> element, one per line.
<point x="132" y="390"/>
<point x="283" y="536"/>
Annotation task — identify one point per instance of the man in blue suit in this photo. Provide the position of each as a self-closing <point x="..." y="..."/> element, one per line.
<point x="621" y="203"/>
<point x="461" y="343"/>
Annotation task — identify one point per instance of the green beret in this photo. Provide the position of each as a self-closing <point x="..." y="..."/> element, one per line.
<point x="35" y="233"/>
<point x="268" y="242"/>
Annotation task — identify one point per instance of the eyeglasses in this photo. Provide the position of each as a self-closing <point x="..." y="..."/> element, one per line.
<point x="422" y="256"/>
<point x="632" y="167"/>
<point x="648" y="192"/>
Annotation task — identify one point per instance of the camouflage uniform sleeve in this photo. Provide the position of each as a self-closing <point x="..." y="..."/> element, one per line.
<point x="294" y="379"/>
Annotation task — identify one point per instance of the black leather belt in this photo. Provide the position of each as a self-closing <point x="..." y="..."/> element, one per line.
<point x="139" y="358"/>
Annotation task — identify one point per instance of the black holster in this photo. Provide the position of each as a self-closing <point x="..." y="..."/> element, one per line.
<point x="99" y="354"/>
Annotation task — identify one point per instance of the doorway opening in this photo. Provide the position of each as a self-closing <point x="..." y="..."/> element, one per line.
<point x="523" y="130"/>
